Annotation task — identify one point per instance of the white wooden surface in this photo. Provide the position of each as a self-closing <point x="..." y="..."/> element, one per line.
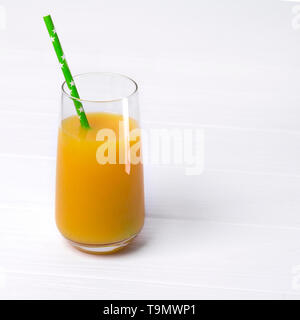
<point x="230" y="68"/>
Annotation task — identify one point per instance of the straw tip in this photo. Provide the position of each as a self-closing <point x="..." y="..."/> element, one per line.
<point x="48" y="16"/>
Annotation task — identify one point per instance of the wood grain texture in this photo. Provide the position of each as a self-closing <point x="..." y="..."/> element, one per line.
<point x="232" y="232"/>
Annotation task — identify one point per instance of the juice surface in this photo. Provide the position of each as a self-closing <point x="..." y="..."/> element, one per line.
<point x="96" y="203"/>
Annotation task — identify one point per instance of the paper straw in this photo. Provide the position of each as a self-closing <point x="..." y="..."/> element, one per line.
<point x="66" y="71"/>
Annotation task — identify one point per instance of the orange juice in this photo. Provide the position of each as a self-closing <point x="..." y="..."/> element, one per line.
<point x="96" y="204"/>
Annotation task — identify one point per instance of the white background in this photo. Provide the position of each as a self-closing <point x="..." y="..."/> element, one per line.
<point x="229" y="67"/>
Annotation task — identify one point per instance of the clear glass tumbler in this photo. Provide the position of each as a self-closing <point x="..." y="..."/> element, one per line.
<point x="99" y="177"/>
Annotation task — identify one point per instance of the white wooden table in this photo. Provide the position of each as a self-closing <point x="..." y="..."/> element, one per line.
<point x="229" y="68"/>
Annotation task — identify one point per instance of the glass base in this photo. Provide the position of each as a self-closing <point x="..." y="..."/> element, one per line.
<point x="102" y="248"/>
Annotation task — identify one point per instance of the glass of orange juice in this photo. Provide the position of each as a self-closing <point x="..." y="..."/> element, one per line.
<point x="99" y="175"/>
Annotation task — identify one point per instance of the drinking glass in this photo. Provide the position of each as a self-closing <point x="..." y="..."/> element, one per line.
<point x="99" y="173"/>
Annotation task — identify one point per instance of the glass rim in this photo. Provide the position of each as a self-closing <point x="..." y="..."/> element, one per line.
<point x="101" y="101"/>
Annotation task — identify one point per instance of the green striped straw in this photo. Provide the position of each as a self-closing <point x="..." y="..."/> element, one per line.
<point x="66" y="71"/>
